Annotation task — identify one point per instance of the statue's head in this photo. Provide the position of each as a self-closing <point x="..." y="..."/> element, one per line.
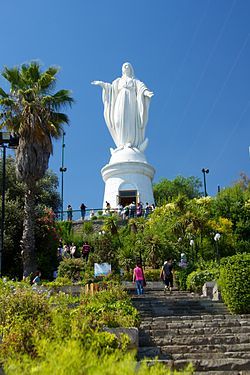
<point x="127" y="69"/>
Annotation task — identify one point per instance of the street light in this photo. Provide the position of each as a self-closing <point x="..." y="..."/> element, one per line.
<point x="62" y="170"/>
<point x="6" y="140"/>
<point x="204" y="171"/>
<point x="192" y="244"/>
<point x="217" y="238"/>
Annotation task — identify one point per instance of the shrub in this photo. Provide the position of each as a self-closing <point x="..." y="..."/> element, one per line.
<point x="50" y="336"/>
<point x="22" y="312"/>
<point x="87" y="227"/>
<point x="181" y="275"/>
<point x="110" y="307"/>
<point x="235" y="283"/>
<point x="197" y="279"/>
<point x="152" y="274"/>
<point x="72" y="269"/>
<point x="65" y="230"/>
<point x="71" y="358"/>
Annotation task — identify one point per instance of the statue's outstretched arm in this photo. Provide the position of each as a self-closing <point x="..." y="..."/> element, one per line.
<point x="148" y="93"/>
<point x="99" y="83"/>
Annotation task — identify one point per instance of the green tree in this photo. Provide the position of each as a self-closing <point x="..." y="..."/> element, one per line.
<point x="167" y="190"/>
<point x="45" y="237"/>
<point x="31" y="110"/>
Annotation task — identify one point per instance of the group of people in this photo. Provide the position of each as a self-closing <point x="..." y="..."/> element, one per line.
<point x="131" y="210"/>
<point x="71" y="251"/>
<point x="166" y="275"/>
<point x="128" y="211"/>
<point x="70" y="212"/>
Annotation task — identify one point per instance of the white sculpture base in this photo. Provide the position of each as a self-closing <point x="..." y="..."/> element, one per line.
<point x="127" y="177"/>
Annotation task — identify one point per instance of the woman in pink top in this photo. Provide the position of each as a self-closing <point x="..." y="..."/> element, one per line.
<point x="138" y="278"/>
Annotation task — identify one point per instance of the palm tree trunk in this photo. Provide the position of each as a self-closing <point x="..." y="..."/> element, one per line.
<point x="28" y="239"/>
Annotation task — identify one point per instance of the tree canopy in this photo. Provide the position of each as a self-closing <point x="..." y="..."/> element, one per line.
<point x="167" y="190"/>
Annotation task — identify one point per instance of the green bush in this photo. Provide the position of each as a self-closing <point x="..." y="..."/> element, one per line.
<point x="110" y="308"/>
<point x="181" y="275"/>
<point x="22" y="311"/>
<point x="58" y="335"/>
<point x="235" y="283"/>
<point x="72" y="269"/>
<point x="87" y="227"/>
<point x="65" y="230"/>
<point x="197" y="279"/>
<point x="71" y="358"/>
<point x="152" y="274"/>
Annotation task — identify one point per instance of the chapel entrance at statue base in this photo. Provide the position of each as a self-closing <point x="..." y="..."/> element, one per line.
<point x="126" y="197"/>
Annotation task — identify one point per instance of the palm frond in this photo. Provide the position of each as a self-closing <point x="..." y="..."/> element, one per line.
<point x="12" y="75"/>
<point x="3" y="93"/>
<point x="52" y="71"/>
<point x="59" y="118"/>
<point x="61" y="98"/>
<point x="7" y="102"/>
<point x="46" y="82"/>
<point x="30" y="73"/>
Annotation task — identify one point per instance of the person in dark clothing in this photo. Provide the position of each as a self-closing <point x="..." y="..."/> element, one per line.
<point x="69" y="213"/>
<point x="83" y="211"/>
<point x="85" y="251"/>
<point x="167" y="275"/>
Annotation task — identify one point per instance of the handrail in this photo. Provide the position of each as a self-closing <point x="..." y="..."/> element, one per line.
<point x="76" y="215"/>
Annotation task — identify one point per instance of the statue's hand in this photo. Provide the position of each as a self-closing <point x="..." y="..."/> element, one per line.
<point x="149" y="94"/>
<point x="97" y="83"/>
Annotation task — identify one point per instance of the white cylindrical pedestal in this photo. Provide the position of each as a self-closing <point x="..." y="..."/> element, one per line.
<point x="128" y="176"/>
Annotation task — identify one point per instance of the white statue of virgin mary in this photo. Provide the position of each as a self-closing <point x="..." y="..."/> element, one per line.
<point x="126" y="104"/>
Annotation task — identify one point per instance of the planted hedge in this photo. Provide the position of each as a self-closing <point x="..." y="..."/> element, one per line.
<point x="235" y="283"/>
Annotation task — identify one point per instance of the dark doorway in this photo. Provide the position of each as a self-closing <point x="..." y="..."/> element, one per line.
<point x="127" y="196"/>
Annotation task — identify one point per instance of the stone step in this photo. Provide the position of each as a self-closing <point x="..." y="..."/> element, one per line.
<point x="223" y="330"/>
<point x="192" y="338"/>
<point x="196" y="340"/>
<point x="151" y="352"/>
<point x="227" y="364"/>
<point x="222" y="372"/>
<point x="216" y="366"/>
<point x="185" y="328"/>
<point x="199" y="321"/>
<point x="216" y="348"/>
<point x="208" y="355"/>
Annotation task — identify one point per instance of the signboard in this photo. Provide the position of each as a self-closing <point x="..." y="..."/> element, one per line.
<point x="102" y="269"/>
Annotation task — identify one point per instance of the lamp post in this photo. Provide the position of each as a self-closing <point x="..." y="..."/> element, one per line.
<point x="191" y="243"/>
<point x="6" y="140"/>
<point x="217" y="238"/>
<point x="62" y="170"/>
<point x="204" y="171"/>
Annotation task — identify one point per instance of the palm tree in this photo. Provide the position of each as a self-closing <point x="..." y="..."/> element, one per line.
<point x="31" y="111"/>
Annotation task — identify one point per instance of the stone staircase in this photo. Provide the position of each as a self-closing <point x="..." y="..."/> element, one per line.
<point x="180" y="328"/>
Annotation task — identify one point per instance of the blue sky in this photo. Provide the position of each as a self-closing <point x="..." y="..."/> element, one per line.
<point x="194" y="55"/>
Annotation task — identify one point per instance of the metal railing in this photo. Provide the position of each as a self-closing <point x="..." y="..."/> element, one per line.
<point x="95" y="213"/>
